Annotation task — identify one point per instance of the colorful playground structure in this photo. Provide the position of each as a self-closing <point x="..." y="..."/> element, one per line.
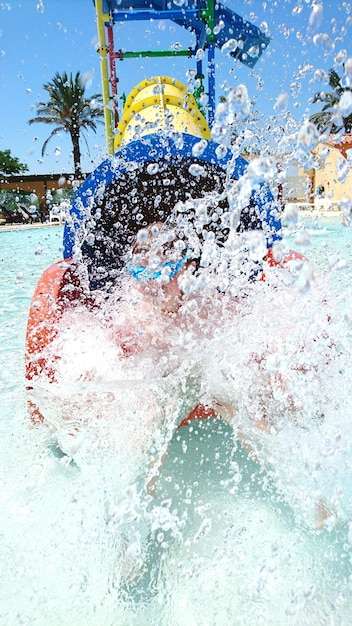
<point x="213" y="24"/>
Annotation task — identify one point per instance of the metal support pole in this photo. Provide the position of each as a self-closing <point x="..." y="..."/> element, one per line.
<point x="211" y="84"/>
<point x="198" y="92"/>
<point x="208" y="17"/>
<point x="113" y="77"/>
<point x="102" y="49"/>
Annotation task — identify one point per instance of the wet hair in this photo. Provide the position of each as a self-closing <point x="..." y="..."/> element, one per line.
<point x="137" y="198"/>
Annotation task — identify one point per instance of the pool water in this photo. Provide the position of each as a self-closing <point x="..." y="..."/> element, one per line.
<point x="223" y="541"/>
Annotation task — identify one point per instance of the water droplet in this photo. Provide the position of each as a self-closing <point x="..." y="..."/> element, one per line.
<point x="291" y="214"/>
<point x="316" y="16"/>
<point x="219" y="27"/>
<point x="40" y="6"/>
<point x="200" y="54"/>
<point x="344" y="106"/>
<point x="278" y="251"/>
<point x="342" y="169"/>
<point x="341" y="57"/>
<point x="199" y="147"/>
<point x="153" y="168"/>
<point x="57" y="151"/>
<point x="253" y="52"/>
<point x="323" y="40"/>
<point x="348" y="72"/>
<point x="221" y="151"/>
<point x="229" y="46"/>
<point x="303" y="238"/>
<point x="305" y="277"/>
<point x="238" y="103"/>
<point x="333" y="260"/>
<point x="203" y="531"/>
<point x="262" y="169"/>
<point x="90" y="239"/>
<point x="320" y="76"/>
<point x="203" y="100"/>
<point x="324" y="153"/>
<point x="281" y="102"/>
<point x="310" y="593"/>
<point x="308" y="136"/>
<point x="264" y="28"/>
<point x="197" y="170"/>
<point x="86" y="79"/>
<point x="190" y="74"/>
<point x="295" y="88"/>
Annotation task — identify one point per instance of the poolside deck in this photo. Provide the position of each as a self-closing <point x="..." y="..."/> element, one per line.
<point x="7" y="227"/>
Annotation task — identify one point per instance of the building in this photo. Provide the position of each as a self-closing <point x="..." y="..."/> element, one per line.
<point x="42" y="185"/>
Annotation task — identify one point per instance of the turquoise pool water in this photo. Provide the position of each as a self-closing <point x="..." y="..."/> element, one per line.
<point x="221" y="543"/>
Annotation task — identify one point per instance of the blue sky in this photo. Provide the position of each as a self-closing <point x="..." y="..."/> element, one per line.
<point x="40" y="37"/>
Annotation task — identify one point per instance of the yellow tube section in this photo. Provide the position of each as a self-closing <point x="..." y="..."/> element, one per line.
<point x="157" y="104"/>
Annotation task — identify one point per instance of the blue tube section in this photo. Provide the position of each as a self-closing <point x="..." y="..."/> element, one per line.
<point x="211" y="84"/>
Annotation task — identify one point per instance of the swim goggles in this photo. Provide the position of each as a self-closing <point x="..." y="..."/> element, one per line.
<point x="144" y="274"/>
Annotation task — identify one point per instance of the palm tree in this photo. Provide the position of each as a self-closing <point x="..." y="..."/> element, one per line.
<point x="328" y="118"/>
<point x="70" y="111"/>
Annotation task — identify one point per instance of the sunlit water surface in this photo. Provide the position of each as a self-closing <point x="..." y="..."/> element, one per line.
<point x="225" y="540"/>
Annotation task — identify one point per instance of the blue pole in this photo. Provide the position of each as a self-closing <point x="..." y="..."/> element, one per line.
<point x="211" y="84"/>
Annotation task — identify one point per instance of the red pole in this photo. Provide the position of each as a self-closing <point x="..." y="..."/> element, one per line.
<point x="113" y="78"/>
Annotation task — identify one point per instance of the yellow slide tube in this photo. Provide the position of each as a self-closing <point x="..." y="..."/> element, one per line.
<point x="156" y="104"/>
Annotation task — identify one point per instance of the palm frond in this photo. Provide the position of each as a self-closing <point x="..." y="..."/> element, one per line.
<point x="335" y="81"/>
<point x="328" y="118"/>
<point x="52" y="134"/>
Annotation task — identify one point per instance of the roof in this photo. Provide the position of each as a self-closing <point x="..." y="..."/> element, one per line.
<point x="341" y="143"/>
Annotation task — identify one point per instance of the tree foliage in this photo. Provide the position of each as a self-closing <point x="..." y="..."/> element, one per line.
<point x="329" y="119"/>
<point x="70" y="111"/>
<point x="10" y="164"/>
